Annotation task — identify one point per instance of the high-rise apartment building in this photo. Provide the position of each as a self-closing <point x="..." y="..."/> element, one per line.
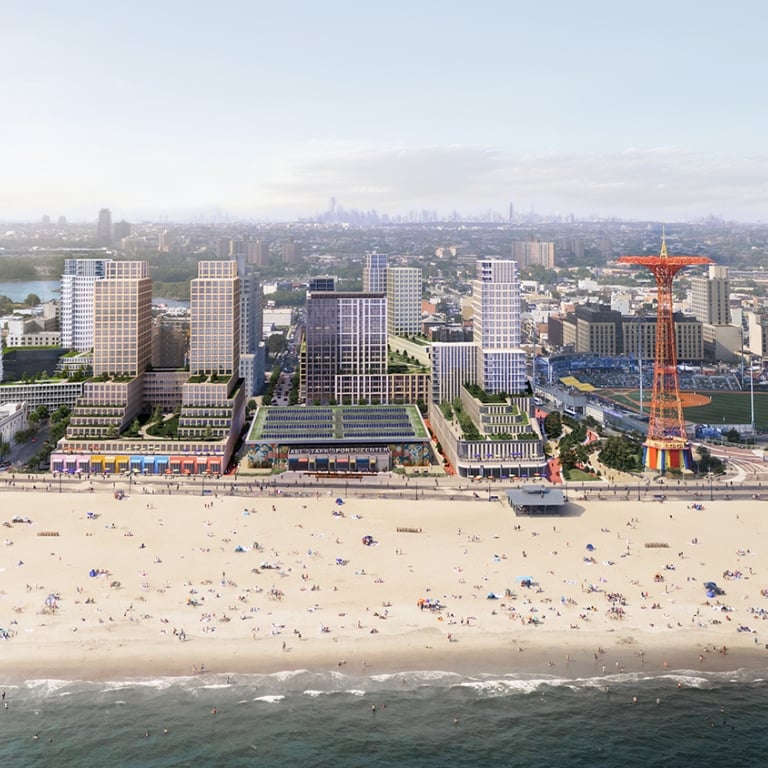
<point x="403" y="301"/>
<point x="122" y="319"/>
<point x="497" y="331"/>
<point x="291" y="251"/>
<point x="710" y="296"/>
<point x="122" y="352"/>
<point x="710" y="304"/>
<point x="252" y="349"/>
<point x="76" y="302"/>
<point x="345" y="335"/>
<point x="257" y="252"/>
<point x="104" y="227"/>
<point x="454" y="364"/>
<point x="103" y="429"/>
<point x="213" y="402"/>
<point x="529" y="252"/>
<point x="375" y="273"/>
<point x="120" y="230"/>
<point x="214" y="330"/>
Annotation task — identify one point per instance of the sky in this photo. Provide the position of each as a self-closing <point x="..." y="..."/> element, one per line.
<point x="172" y="109"/>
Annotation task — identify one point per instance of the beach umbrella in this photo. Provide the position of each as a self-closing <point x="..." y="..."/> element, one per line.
<point x="590" y="548"/>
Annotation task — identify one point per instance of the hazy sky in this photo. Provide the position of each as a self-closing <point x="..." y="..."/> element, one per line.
<point x="266" y="109"/>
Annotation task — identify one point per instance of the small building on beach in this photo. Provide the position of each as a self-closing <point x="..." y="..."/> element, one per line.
<point x="537" y="499"/>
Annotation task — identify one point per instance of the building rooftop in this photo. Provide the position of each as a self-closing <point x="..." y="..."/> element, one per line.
<point x="536" y="498"/>
<point x="377" y="423"/>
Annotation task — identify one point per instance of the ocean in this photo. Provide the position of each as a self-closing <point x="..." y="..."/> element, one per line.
<point x="423" y="720"/>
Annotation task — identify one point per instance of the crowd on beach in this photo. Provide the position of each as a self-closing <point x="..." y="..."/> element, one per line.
<point x="308" y="579"/>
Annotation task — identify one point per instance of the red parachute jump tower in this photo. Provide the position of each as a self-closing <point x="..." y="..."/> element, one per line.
<point x="666" y="446"/>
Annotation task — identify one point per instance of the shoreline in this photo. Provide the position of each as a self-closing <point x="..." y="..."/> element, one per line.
<point x="573" y="662"/>
<point x="241" y="577"/>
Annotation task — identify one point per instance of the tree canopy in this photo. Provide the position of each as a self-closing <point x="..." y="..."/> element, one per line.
<point x="622" y="453"/>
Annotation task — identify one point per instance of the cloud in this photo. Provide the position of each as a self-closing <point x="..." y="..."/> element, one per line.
<point x="661" y="182"/>
<point x="664" y="183"/>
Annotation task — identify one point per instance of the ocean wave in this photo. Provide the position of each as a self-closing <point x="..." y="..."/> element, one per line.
<point x="270" y="699"/>
<point x="415" y="678"/>
<point x="45" y="686"/>
<point x="494" y="687"/>
<point x="157" y="683"/>
<point x="288" y="674"/>
<point x="421" y="682"/>
<point x="690" y="679"/>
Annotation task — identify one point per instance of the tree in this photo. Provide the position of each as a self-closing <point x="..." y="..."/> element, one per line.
<point x="276" y="344"/>
<point x="24" y="435"/>
<point x="133" y="430"/>
<point x="708" y="463"/>
<point x="622" y="453"/>
<point x="61" y="413"/>
<point x="32" y="300"/>
<point x="553" y="425"/>
<point x="572" y="455"/>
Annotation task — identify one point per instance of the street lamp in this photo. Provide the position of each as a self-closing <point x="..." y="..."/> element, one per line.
<point x="711" y="493"/>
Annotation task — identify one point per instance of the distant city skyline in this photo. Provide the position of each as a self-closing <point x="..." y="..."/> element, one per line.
<point x="265" y="112"/>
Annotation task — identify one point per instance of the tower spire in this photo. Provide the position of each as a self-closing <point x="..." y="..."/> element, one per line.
<point x="666" y="446"/>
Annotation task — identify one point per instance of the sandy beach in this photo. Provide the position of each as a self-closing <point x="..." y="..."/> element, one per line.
<point x="95" y="587"/>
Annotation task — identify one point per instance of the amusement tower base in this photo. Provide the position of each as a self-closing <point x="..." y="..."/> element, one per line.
<point x="666" y="446"/>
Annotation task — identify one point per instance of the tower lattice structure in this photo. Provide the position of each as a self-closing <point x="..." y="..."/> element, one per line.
<point x="666" y="445"/>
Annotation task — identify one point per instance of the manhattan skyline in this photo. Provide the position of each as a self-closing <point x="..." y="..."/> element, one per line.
<point x="266" y="112"/>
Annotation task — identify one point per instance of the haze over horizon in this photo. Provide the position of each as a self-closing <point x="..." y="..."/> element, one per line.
<point x="266" y="112"/>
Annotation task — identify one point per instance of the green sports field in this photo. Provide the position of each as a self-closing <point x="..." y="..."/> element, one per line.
<point x="725" y="408"/>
